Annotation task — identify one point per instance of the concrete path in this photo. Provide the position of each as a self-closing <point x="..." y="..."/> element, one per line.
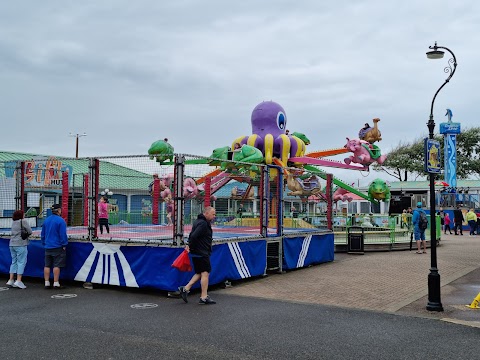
<point x="394" y="281"/>
<point x="125" y="323"/>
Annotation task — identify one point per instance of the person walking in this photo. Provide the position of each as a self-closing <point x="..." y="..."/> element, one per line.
<point x="458" y="220"/>
<point x="478" y="222"/>
<point x="472" y="221"/>
<point x="18" y="249"/>
<point x="419" y="228"/>
<point x="54" y="240"/>
<point x="103" y="215"/>
<point x="447" y="221"/>
<point x="200" y="248"/>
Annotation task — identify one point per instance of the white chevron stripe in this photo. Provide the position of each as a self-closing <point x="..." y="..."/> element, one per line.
<point x="242" y="260"/>
<point x="114" y="278"/>
<point x="244" y="263"/>
<point x="99" y="270"/>
<point x="106" y="267"/>
<point x="239" y="260"/>
<point x="87" y="265"/>
<point x="233" y="252"/>
<point x="127" y="271"/>
<point x="304" y="251"/>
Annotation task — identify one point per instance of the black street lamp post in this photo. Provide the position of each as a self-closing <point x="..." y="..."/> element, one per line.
<point x="434" y="302"/>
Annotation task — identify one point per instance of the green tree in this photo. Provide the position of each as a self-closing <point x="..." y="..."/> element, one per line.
<point x="468" y="153"/>
<point x="406" y="160"/>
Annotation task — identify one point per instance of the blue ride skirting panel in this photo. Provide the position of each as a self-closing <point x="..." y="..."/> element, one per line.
<point x="304" y="251"/>
<point x="142" y="266"/>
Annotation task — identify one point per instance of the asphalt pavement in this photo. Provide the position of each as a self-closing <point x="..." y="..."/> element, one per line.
<point x="388" y="281"/>
<point x="368" y="306"/>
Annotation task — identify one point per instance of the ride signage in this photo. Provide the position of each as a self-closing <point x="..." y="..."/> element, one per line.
<point x="450" y="128"/>
<point x="42" y="173"/>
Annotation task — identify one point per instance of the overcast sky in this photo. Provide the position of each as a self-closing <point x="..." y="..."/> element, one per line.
<point x="131" y="72"/>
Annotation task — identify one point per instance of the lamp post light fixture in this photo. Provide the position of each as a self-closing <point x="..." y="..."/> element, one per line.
<point x="76" y="142"/>
<point x="434" y="302"/>
<point x="106" y="193"/>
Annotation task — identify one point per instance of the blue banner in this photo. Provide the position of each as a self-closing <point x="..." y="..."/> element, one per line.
<point x="450" y="154"/>
<point x="432" y="156"/>
<point x="304" y="251"/>
<point x="142" y="266"/>
<point x="150" y="267"/>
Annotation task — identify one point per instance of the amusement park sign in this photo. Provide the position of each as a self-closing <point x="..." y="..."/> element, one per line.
<point x="41" y="173"/>
<point x="450" y="128"/>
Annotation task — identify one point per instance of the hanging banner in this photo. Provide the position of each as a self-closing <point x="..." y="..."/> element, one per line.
<point x="432" y="156"/>
<point x="450" y="156"/>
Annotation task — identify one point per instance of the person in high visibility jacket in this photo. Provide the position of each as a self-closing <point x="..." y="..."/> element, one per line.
<point x="471" y="218"/>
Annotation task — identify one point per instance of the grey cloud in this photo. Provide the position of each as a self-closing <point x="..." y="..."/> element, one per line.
<point x="129" y="73"/>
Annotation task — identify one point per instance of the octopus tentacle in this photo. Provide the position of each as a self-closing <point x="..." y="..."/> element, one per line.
<point x="284" y="145"/>
<point x="299" y="146"/>
<point x="255" y="141"/>
<point x="268" y="148"/>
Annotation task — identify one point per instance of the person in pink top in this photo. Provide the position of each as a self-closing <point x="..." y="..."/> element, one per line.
<point x="103" y="215"/>
<point x="446" y="222"/>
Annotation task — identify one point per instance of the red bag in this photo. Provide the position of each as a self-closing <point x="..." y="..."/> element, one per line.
<point x="182" y="262"/>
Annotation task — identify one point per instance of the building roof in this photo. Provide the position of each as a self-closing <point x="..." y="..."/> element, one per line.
<point x="226" y="190"/>
<point x="112" y="176"/>
<point x="355" y="196"/>
<point x="425" y="185"/>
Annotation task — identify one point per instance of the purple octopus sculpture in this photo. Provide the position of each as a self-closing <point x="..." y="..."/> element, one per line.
<point x="270" y="136"/>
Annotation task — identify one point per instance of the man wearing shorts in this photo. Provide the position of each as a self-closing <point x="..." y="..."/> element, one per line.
<point x="418" y="232"/>
<point x="200" y="248"/>
<point x="55" y="241"/>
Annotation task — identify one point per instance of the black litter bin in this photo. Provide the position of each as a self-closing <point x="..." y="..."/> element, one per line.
<point x="356" y="238"/>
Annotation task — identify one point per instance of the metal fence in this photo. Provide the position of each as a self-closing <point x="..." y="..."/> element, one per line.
<point x="156" y="202"/>
<point x="146" y="202"/>
<point x="380" y="229"/>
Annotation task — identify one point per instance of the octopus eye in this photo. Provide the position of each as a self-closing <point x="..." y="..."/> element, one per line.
<point x="281" y="120"/>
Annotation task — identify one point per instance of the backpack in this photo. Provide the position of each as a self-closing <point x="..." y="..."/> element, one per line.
<point x="422" y="220"/>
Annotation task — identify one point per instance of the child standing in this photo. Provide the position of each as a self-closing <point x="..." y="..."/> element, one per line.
<point x="103" y="215"/>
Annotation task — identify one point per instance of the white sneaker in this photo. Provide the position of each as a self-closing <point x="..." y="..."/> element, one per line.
<point x="19" y="284"/>
<point x="10" y="283"/>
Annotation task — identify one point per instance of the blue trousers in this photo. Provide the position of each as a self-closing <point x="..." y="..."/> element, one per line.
<point x="473" y="226"/>
<point x="19" y="259"/>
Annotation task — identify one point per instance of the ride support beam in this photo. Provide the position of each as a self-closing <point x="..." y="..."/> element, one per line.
<point x="155" y="200"/>
<point x="65" y="196"/>
<point x="178" y="200"/>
